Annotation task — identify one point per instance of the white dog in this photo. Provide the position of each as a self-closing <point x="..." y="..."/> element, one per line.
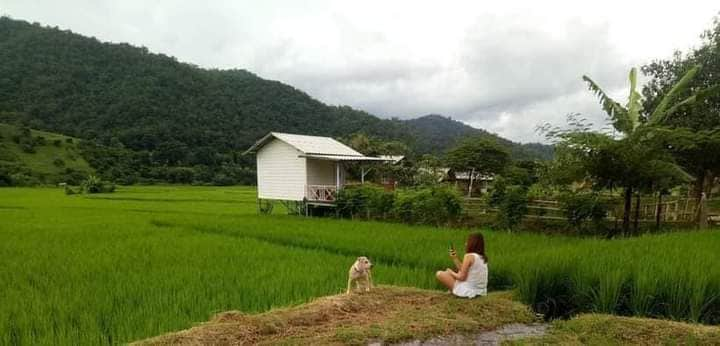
<point x="360" y="274"/>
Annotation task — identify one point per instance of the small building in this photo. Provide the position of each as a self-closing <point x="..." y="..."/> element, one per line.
<point x="302" y="169"/>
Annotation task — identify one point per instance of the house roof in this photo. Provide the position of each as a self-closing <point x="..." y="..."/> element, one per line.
<point x="393" y="158"/>
<point x="307" y="144"/>
<point x="323" y="148"/>
<point x="343" y="157"/>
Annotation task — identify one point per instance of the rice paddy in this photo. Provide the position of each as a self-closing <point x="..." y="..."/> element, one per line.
<point x="114" y="268"/>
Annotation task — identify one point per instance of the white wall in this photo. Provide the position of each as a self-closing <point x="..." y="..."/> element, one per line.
<point x="321" y="172"/>
<point x="281" y="173"/>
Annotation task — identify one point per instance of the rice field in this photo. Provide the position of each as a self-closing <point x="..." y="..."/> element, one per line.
<point x="113" y="268"/>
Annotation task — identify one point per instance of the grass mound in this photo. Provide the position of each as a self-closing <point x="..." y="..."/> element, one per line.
<point x="388" y="313"/>
<point x="598" y="329"/>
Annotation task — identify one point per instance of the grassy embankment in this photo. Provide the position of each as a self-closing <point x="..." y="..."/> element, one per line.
<point x="51" y="158"/>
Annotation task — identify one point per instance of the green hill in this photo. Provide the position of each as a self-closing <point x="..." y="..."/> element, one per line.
<point x="440" y="133"/>
<point x="30" y="157"/>
<point x="161" y="115"/>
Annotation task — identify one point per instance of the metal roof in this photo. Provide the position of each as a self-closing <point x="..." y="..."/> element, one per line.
<point x="307" y="144"/>
<point x="343" y="157"/>
<point x="393" y="158"/>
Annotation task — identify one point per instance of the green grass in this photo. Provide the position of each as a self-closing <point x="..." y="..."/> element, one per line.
<point x="41" y="162"/>
<point x="600" y="329"/>
<point x="146" y="260"/>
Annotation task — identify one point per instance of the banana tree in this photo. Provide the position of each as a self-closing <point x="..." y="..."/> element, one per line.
<point x="635" y="171"/>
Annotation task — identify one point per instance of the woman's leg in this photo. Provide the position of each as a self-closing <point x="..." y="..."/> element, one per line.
<point x="446" y="279"/>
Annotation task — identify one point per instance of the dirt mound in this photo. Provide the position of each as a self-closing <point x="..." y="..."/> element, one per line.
<point x="388" y="314"/>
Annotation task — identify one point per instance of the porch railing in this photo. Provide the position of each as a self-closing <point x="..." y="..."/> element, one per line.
<point x="321" y="193"/>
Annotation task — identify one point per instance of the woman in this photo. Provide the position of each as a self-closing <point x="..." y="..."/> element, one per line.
<point x="471" y="277"/>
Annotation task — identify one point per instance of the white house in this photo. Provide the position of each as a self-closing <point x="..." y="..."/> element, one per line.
<point x="298" y="168"/>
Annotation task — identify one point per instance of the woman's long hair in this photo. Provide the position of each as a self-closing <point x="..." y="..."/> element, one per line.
<point x="476" y="244"/>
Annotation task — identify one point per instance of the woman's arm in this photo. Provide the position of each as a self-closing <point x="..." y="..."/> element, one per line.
<point x="453" y="256"/>
<point x="462" y="274"/>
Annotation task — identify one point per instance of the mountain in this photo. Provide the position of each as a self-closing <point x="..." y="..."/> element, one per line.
<point x="440" y="133"/>
<point x="156" y="118"/>
<point x="29" y="157"/>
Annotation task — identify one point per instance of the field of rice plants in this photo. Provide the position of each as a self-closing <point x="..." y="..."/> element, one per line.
<point x="114" y="268"/>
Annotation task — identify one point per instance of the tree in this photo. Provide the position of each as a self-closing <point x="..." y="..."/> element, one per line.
<point x="635" y="160"/>
<point x="695" y="124"/>
<point x="477" y="156"/>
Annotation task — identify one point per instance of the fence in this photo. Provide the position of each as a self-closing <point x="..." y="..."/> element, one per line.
<point x="680" y="210"/>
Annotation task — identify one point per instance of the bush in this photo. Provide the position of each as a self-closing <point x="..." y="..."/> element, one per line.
<point x="22" y="179"/>
<point x="365" y="200"/>
<point x="434" y="205"/>
<point x="222" y="179"/>
<point x="179" y="175"/>
<point x="512" y="207"/>
<point x="57" y="142"/>
<point x="583" y="207"/>
<point x="40" y="141"/>
<point x="27" y="147"/>
<point x="5" y="179"/>
<point x="58" y="162"/>
<point x="94" y="184"/>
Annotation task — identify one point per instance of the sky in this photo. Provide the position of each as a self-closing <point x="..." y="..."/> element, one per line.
<point x="504" y="66"/>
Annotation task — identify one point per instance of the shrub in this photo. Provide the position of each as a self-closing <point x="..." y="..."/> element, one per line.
<point x="58" y="162"/>
<point x="22" y="179"/>
<point x="68" y="140"/>
<point x="40" y="141"/>
<point x="434" y="205"/>
<point x="93" y="184"/>
<point x="365" y="200"/>
<point x="179" y="175"/>
<point x="57" y="142"/>
<point x="5" y="179"/>
<point x="27" y="147"/>
<point x="512" y="207"/>
<point x="73" y="177"/>
<point x="222" y="179"/>
<point x="583" y="207"/>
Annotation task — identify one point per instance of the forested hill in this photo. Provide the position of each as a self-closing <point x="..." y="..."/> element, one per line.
<point x="440" y="133"/>
<point x="172" y="113"/>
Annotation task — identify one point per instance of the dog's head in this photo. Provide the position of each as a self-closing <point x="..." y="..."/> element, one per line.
<point x="363" y="264"/>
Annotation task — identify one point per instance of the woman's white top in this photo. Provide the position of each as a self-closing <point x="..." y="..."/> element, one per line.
<point x="476" y="282"/>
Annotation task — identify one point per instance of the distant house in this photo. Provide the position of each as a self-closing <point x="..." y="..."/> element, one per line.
<point x="461" y="179"/>
<point x="299" y="168"/>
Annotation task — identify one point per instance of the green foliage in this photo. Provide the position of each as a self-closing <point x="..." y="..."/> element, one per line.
<point x="478" y="154"/>
<point x="365" y="200"/>
<point x="512" y="207"/>
<point x="5" y="178"/>
<point x="700" y="110"/>
<point x="93" y="184"/>
<point x="582" y="208"/>
<point x="44" y="164"/>
<point x="437" y="205"/>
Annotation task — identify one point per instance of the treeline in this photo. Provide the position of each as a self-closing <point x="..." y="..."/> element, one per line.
<point x="171" y="117"/>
